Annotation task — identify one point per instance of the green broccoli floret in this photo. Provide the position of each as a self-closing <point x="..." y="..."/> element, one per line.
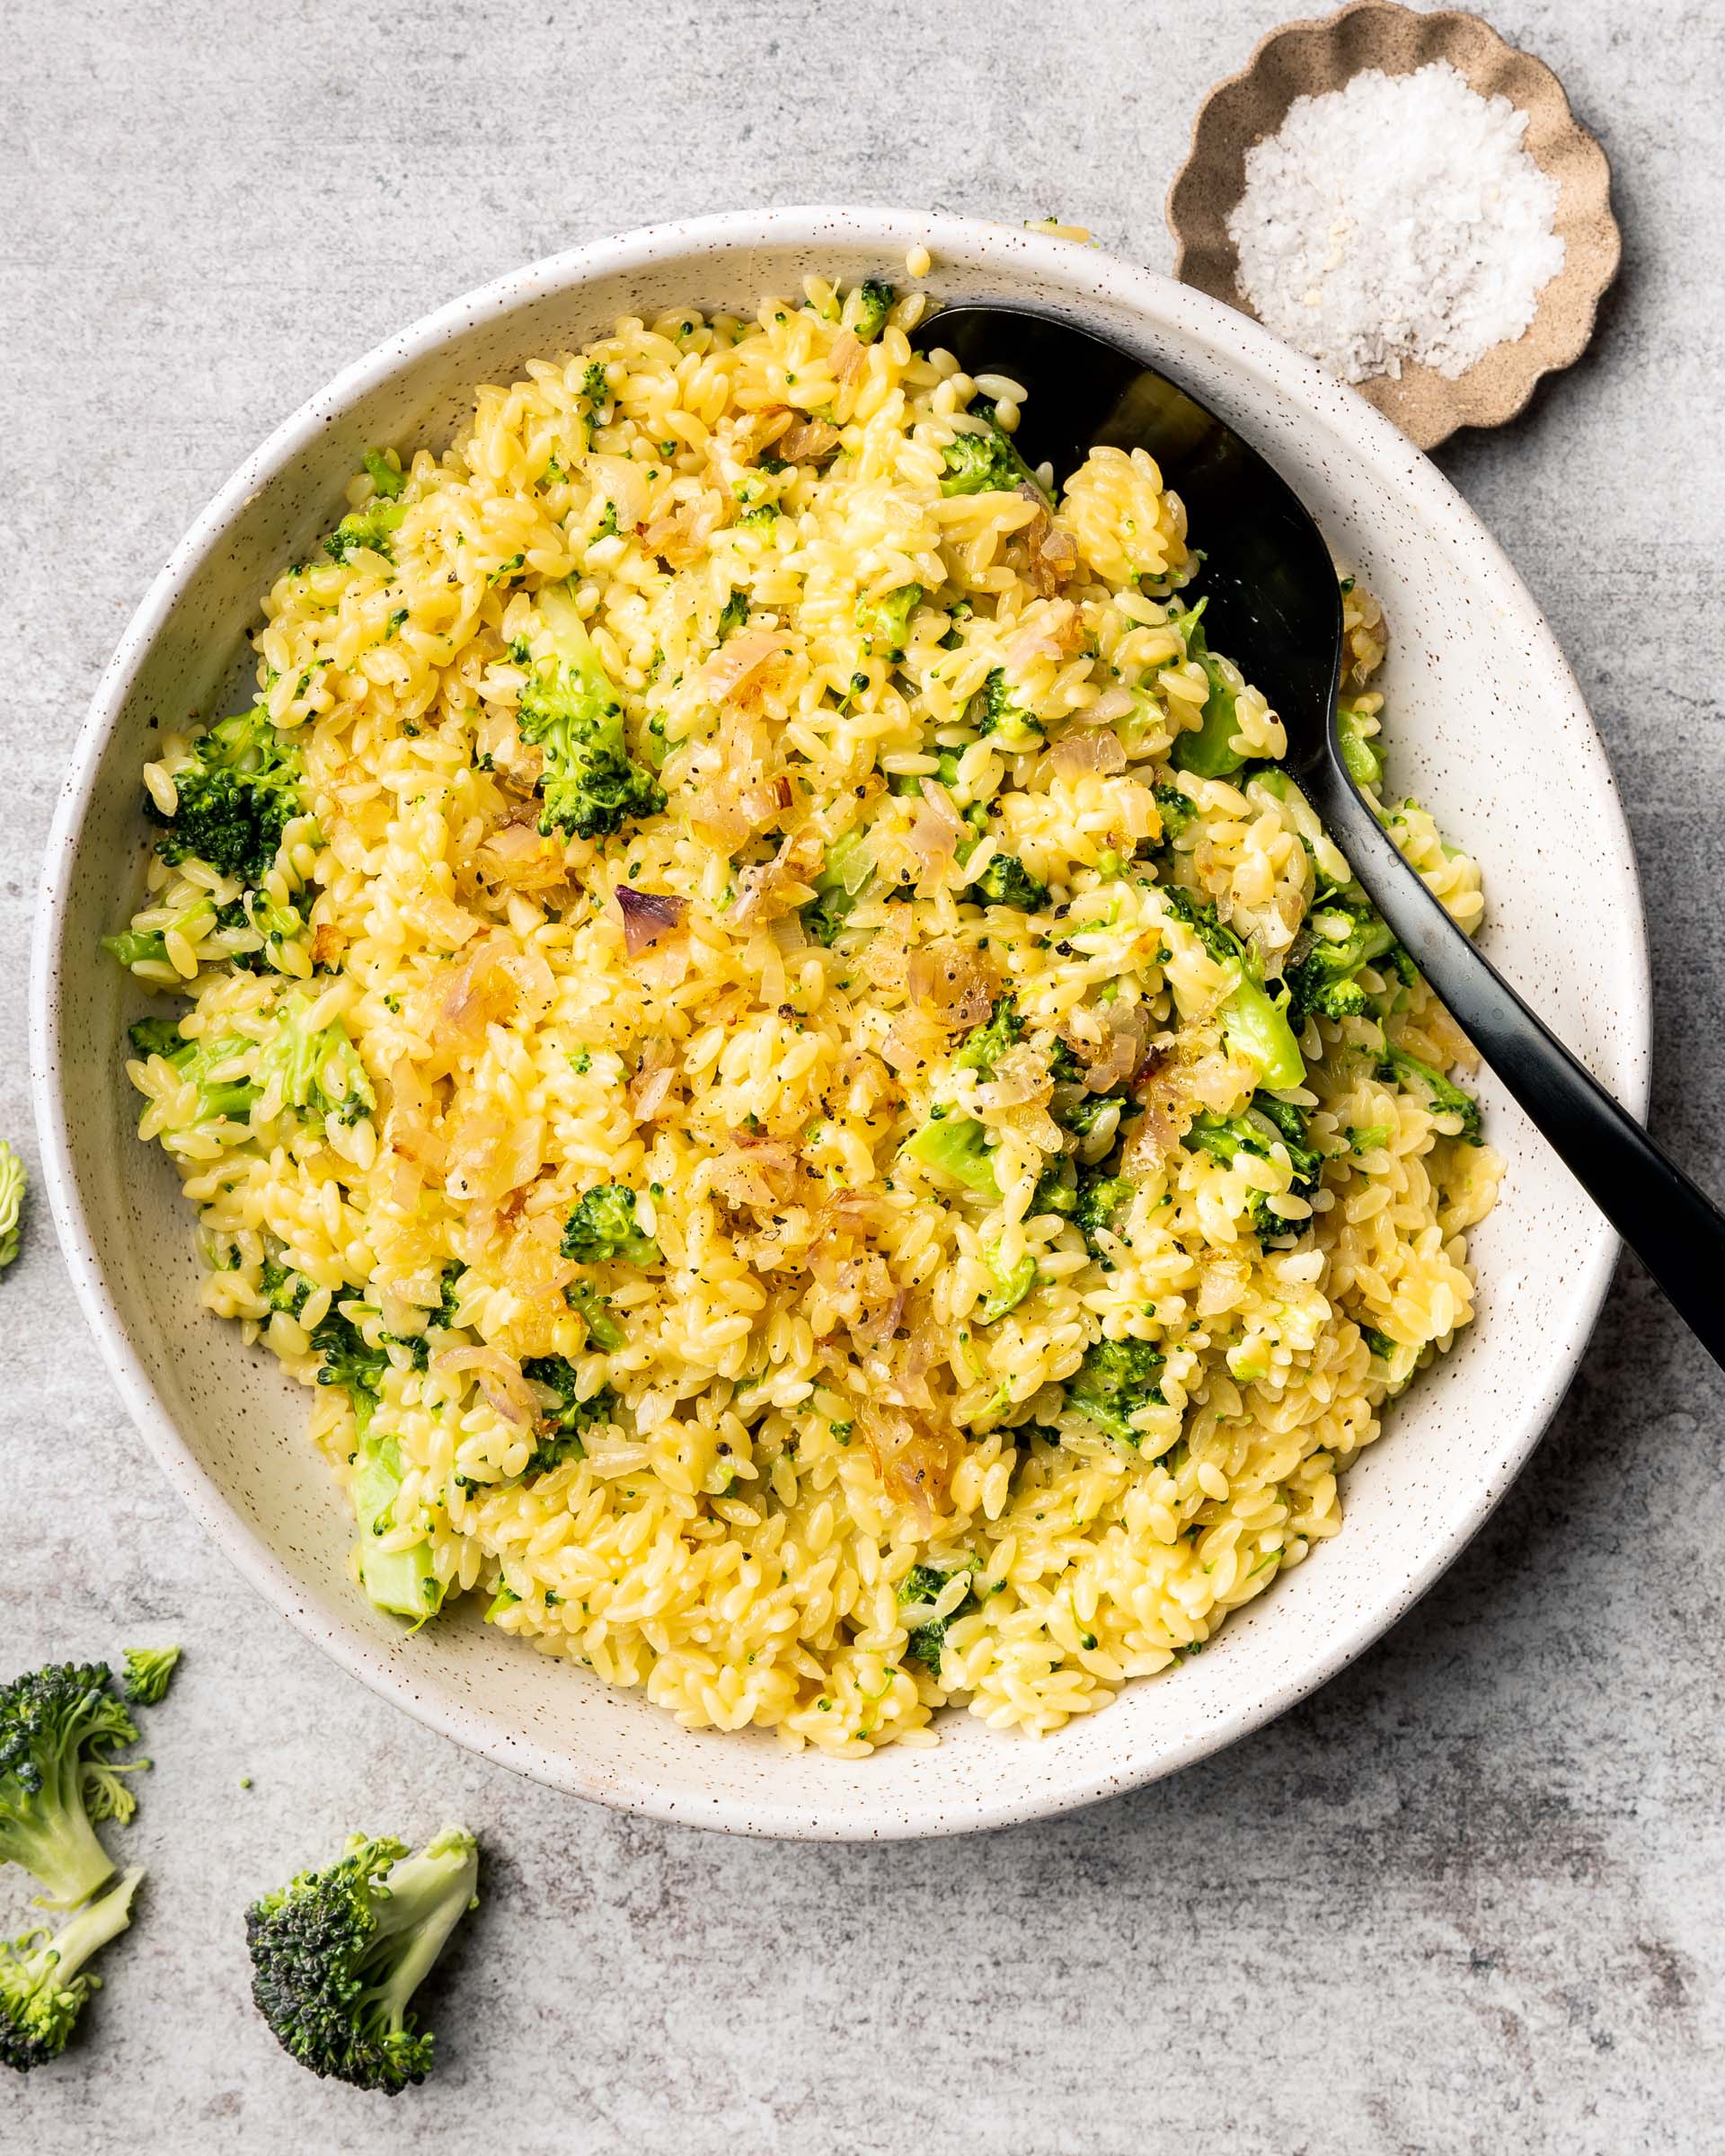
<point x="402" y="1582"/>
<point x="924" y="1584"/>
<point x="984" y="1046"/>
<point x="987" y="462"/>
<point x="1339" y="938"/>
<point x="1081" y="1115"/>
<point x="603" y="1226"/>
<point x="156" y="1037"/>
<point x="347" y="1360"/>
<point x="874" y="303"/>
<point x="595" y="388"/>
<point x="386" y="477"/>
<point x="14" y="1182"/>
<point x="845" y="876"/>
<point x="222" y="1089"/>
<point x="957" y="1148"/>
<point x="1208" y="752"/>
<point x="1225" y="1137"/>
<point x="991" y="712"/>
<point x="41" y="1990"/>
<point x="559" y="1432"/>
<point x="570" y="709"/>
<point x="1365" y="766"/>
<point x="1442" y="1096"/>
<point x="603" y="1331"/>
<point x="1006" y="881"/>
<point x="1057" y="1190"/>
<point x="321" y="1073"/>
<point x="733" y="615"/>
<point x="283" y="1289"/>
<point x="1011" y="1286"/>
<point x="276" y="924"/>
<point x="137" y="947"/>
<point x="337" y="1955"/>
<point x="1253" y="1021"/>
<point x="1177" y="810"/>
<point x="370" y="530"/>
<point x="234" y="799"/>
<point x="59" y="1730"/>
<point x="885" y="621"/>
<point x="1102" y="1200"/>
<point x="1116" y="1379"/>
<point x="150" y="1671"/>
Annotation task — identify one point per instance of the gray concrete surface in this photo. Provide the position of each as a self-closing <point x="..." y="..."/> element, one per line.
<point x="1470" y="1896"/>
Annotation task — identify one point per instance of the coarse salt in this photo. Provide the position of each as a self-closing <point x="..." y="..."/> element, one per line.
<point x="1398" y="218"/>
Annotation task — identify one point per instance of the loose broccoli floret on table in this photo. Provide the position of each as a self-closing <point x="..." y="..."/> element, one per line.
<point x="150" y="1671"/>
<point x="59" y="1728"/>
<point x="1255" y="1022"/>
<point x="1114" y="1381"/>
<point x="603" y="1226"/>
<point x="234" y="799"/>
<point x="42" y="1986"/>
<point x="570" y="709"/>
<point x="337" y="1955"/>
<point x="1442" y="1096"/>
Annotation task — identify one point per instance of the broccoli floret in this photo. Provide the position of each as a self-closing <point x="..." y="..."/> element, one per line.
<point x="603" y="1331"/>
<point x="283" y="1289"/>
<point x="1006" y="881"/>
<point x="1057" y="1190"/>
<point x="1177" y="810"/>
<point x="1081" y="1115"/>
<point x="347" y="1360"/>
<point x="559" y="1432"/>
<point x="1365" y="766"/>
<point x="844" y="878"/>
<point x="41" y="1990"/>
<point x="1116" y="1379"/>
<point x="603" y="1226"/>
<point x="137" y="947"/>
<point x="1253" y="1021"/>
<point x="370" y="530"/>
<point x="337" y="1955"/>
<point x="957" y="1148"/>
<point x="1225" y="1137"/>
<point x="385" y="476"/>
<point x="156" y="1037"/>
<point x="321" y="1073"/>
<point x="402" y="1582"/>
<point x="733" y="615"/>
<point x="1208" y="752"/>
<point x="234" y="799"/>
<point x="991" y="712"/>
<point x="150" y="1671"/>
<point x="874" y="304"/>
<point x="13" y="1181"/>
<point x="595" y="388"/>
<point x="1322" y="964"/>
<point x="924" y="1584"/>
<point x="1102" y="1199"/>
<point x="59" y="1730"/>
<point x="276" y="924"/>
<point x="987" y="462"/>
<point x="984" y="1046"/>
<point x="1442" y="1096"/>
<point x="209" y="1063"/>
<point x="570" y="709"/>
<point x="1011" y="1286"/>
<point x="885" y="621"/>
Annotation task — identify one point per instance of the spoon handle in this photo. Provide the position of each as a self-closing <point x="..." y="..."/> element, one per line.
<point x="1675" y="1231"/>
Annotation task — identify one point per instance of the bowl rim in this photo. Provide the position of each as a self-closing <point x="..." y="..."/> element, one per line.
<point x="1169" y="305"/>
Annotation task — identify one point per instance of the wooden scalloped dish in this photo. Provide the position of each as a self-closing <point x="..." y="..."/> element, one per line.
<point x="1309" y="59"/>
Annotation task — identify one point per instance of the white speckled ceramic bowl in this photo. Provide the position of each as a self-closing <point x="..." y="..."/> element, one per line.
<point x="1487" y="725"/>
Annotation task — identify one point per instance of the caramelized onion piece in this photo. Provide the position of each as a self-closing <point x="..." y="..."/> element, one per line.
<point x="739" y="657"/>
<point x="809" y="441"/>
<point x="1075" y="754"/>
<point x="499" y="1378"/>
<point x="647" y="916"/>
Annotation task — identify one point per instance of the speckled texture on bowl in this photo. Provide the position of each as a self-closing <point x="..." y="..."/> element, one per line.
<point x="1486" y="724"/>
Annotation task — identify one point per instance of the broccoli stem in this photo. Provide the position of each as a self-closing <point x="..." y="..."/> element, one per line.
<point x="427" y="1894"/>
<point x="402" y="1582"/>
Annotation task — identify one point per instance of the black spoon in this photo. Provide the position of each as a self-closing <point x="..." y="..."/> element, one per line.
<point x="1275" y="609"/>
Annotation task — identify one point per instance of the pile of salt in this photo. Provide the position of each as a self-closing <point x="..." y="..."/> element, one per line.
<point x="1398" y="218"/>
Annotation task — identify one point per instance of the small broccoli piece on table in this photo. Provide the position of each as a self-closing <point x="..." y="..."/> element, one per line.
<point x="1006" y="881"/>
<point x="956" y="1147"/>
<point x="921" y="1587"/>
<point x="843" y="877"/>
<point x="42" y="1988"/>
<point x="559" y="1431"/>
<point x="1338" y="939"/>
<point x="603" y="1331"/>
<point x="1102" y="1200"/>
<point x="1442" y="1096"/>
<point x="14" y="1182"/>
<point x="1208" y="752"/>
<point x="991" y="712"/>
<point x="603" y="1226"/>
<point x="234" y="799"/>
<point x="1114" y="1381"/>
<point x="59" y="1728"/>
<point x="870" y="303"/>
<point x="984" y="1046"/>
<point x="1267" y="1125"/>
<point x="885" y="621"/>
<point x="570" y="709"/>
<point x="987" y="462"/>
<point x="387" y="478"/>
<point x="1253" y="1021"/>
<point x="337" y="1955"/>
<point x="370" y="530"/>
<point x="150" y="1671"/>
<point x="1365" y="766"/>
